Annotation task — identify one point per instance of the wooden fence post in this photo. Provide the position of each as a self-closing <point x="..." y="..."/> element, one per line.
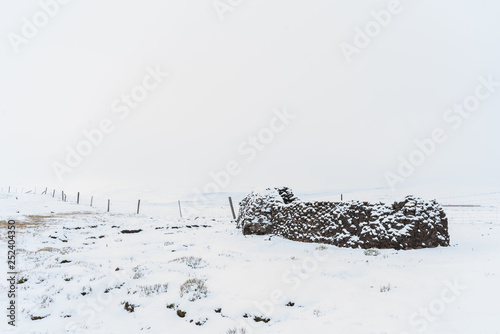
<point x="53" y="193"/>
<point x="62" y="195"/>
<point x="78" y="198"/>
<point x="232" y="208"/>
<point x="109" y="204"/>
<point x="180" y="210"/>
<point x="91" y="200"/>
<point x="138" y="206"/>
<point x="341" y="197"/>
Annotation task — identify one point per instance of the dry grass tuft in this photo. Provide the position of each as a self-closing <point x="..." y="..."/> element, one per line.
<point x="30" y="221"/>
<point x="194" y="289"/>
<point x="191" y="261"/>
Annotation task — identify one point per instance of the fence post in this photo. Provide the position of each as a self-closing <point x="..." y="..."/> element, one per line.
<point x="78" y="198"/>
<point x="138" y="205"/>
<point x="91" y="200"/>
<point x="108" y="204"/>
<point x="53" y="193"/>
<point x="62" y="195"/>
<point x="341" y="197"/>
<point x="232" y="208"/>
<point x="180" y="210"/>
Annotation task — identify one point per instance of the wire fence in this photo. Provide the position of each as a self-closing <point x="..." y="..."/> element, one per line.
<point x="203" y="206"/>
<point x="474" y="208"/>
<point x="467" y="208"/>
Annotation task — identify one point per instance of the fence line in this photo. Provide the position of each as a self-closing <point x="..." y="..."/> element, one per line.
<point x="209" y="206"/>
<point x="469" y="208"/>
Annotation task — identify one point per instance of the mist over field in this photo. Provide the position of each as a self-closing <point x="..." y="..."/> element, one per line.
<point x="316" y="96"/>
<point x="237" y="167"/>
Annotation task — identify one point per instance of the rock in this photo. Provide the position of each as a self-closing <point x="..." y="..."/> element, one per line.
<point x="130" y="231"/>
<point x="287" y="195"/>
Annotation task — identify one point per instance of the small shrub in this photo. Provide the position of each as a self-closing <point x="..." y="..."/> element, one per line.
<point x="181" y="314"/>
<point x="372" y="252"/>
<point x="22" y="280"/>
<point x="129" y="307"/>
<point x="153" y="289"/>
<point x="119" y="286"/>
<point x="385" y="288"/>
<point x="194" y="289"/>
<point x="191" y="261"/>
<point x="236" y="331"/>
<point x="44" y="301"/>
<point x="138" y="272"/>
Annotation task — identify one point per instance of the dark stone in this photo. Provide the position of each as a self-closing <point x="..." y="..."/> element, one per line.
<point x="130" y="231"/>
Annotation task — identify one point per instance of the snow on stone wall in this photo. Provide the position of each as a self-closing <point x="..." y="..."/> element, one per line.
<point x="255" y="214"/>
<point x="410" y="224"/>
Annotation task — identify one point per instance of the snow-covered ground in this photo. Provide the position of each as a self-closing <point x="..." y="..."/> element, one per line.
<point x="82" y="273"/>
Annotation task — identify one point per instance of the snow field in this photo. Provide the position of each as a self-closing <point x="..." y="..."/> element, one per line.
<point x="69" y="261"/>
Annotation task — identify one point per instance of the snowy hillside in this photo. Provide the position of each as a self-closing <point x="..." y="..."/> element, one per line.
<point x="82" y="270"/>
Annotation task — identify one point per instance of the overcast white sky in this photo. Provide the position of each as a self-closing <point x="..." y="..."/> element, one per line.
<point x="352" y="120"/>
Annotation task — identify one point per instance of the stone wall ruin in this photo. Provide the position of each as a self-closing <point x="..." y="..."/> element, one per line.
<point x="410" y="224"/>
